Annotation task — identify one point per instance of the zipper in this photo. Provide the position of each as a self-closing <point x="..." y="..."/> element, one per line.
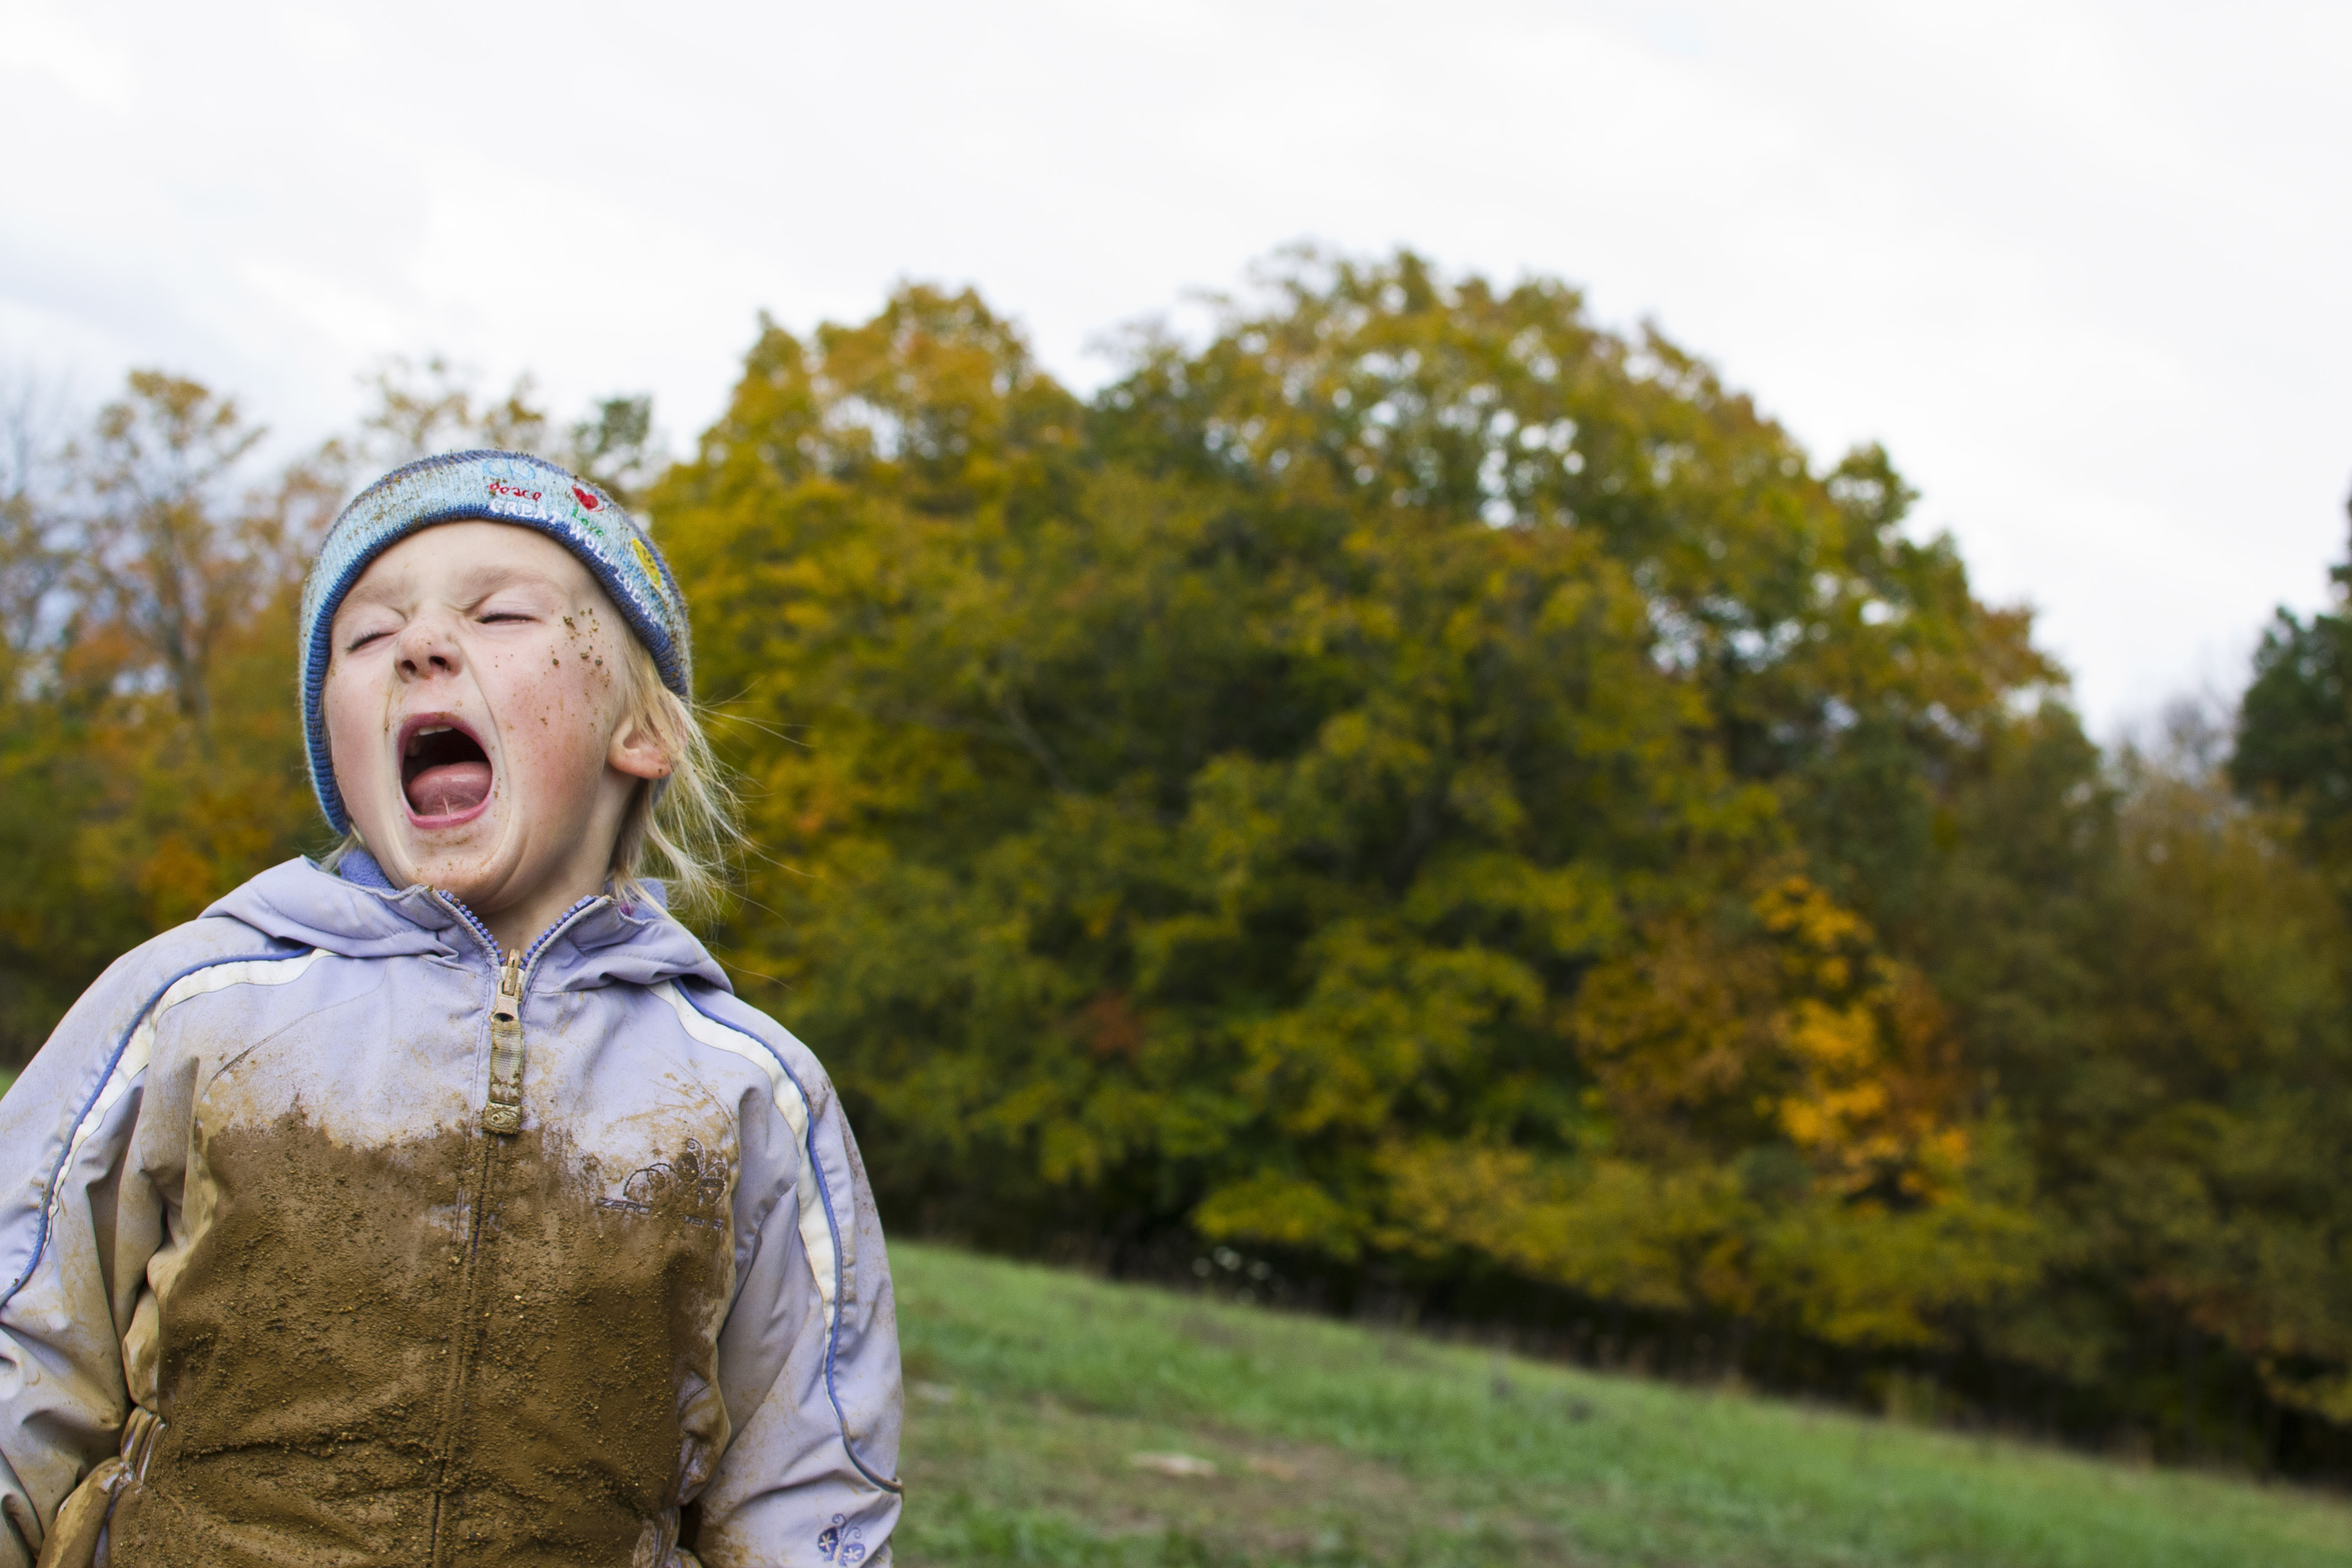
<point x="503" y="1112"/>
<point x="502" y="1118"/>
<point x="502" y="1105"/>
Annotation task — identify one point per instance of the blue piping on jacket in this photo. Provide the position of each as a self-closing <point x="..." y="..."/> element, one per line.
<point x="824" y="1196"/>
<point x="57" y="1171"/>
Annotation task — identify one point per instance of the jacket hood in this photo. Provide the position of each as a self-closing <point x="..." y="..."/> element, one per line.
<point x="355" y="913"/>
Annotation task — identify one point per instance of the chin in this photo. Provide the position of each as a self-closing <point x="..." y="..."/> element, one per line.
<point x="460" y="870"/>
<point x="459" y="859"/>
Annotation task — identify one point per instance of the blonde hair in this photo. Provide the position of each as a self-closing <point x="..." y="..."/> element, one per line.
<point x="681" y="830"/>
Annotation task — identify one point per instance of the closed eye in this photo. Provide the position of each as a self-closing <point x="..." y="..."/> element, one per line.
<point x="362" y="640"/>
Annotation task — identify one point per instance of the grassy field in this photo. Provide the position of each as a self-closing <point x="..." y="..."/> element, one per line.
<point x="1056" y="1419"/>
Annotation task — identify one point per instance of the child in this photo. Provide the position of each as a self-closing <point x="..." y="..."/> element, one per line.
<point x="439" y="1205"/>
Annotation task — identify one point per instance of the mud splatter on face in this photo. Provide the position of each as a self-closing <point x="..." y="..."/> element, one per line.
<point x="523" y="650"/>
<point x="461" y="1350"/>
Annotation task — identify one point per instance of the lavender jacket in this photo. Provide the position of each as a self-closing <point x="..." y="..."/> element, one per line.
<point x="291" y="1274"/>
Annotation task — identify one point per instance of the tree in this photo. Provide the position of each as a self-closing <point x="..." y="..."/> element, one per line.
<point x="150" y="752"/>
<point x="419" y="408"/>
<point x="1350" y="780"/>
<point x="2294" y="721"/>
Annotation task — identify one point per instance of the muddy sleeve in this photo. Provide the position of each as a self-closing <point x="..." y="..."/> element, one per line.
<point x="809" y="1355"/>
<point x="73" y="1248"/>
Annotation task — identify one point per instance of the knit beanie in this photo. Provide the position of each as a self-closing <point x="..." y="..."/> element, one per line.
<point x="490" y="487"/>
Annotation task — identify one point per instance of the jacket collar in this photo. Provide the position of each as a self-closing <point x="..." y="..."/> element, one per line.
<point x="359" y="915"/>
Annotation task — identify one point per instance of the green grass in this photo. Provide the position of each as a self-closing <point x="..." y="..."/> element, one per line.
<point x="1030" y="1392"/>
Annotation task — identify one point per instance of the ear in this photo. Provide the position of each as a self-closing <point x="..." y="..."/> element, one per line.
<point x="636" y="752"/>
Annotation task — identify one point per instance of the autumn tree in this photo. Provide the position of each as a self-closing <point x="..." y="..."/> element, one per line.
<point x="1347" y="791"/>
<point x="150" y="564"/>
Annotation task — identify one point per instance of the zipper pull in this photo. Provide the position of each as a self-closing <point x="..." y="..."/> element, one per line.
<point x="503" y="1111"/>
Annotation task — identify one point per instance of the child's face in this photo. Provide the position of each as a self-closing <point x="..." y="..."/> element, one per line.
<point x="475" y="711"/>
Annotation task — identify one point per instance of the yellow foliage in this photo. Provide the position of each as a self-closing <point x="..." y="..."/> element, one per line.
<point x="1279" y="1210"/>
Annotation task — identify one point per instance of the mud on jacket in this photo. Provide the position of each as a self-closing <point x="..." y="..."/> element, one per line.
<point x="330" y="1234"/>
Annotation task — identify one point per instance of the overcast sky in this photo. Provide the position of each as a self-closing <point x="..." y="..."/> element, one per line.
<point x="2081" y="267"/>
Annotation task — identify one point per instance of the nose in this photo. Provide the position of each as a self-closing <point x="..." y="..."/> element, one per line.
<point x="428" y="648"/>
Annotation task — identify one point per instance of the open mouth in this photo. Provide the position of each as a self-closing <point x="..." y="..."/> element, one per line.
<point x="444" y="772"/>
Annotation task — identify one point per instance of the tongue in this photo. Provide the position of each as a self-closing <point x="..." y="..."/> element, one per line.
<point x="446" y="789"/>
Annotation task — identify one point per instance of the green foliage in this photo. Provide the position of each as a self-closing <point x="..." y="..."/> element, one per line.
<point x="2295" y="732"/>
<point x="2239" y="1144"/>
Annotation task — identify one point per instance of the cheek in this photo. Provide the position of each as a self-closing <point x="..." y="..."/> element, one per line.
<point x="356" y="710"/>
<point x="587" y="644"/>
<point x="552" y="721"/>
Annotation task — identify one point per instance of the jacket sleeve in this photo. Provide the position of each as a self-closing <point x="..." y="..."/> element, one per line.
<point x="73" y="1245"/>
<point x="808" y="1357"/>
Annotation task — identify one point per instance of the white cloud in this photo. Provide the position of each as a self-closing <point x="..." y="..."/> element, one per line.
<point x="2076" y="262"/>
<point x="48" y="41"/>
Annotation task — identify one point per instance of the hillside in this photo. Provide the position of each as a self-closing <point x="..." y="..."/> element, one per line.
<point x="1031" y="1393"/>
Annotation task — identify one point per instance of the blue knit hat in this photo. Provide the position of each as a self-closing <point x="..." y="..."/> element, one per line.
<point x="492" y="486"/>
